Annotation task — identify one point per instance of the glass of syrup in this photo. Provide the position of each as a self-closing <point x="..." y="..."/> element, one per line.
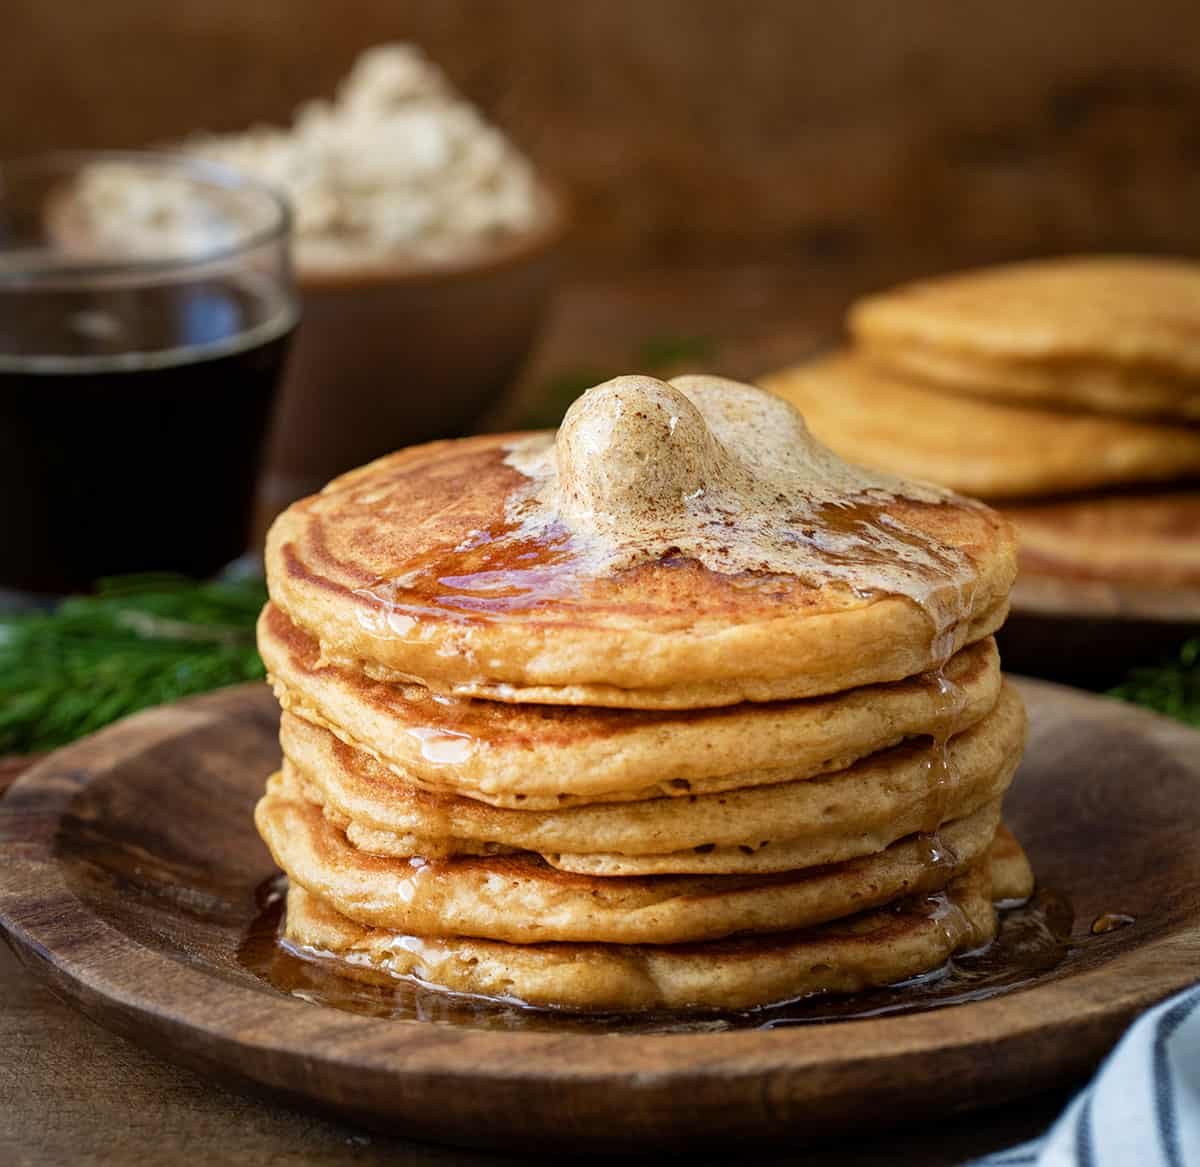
<point x="146" y="302"/>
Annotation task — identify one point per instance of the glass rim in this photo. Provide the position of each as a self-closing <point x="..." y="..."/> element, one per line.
<point x="214" y="174"/>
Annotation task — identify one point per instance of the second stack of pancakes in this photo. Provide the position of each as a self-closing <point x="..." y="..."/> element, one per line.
<point x="1064" y="391"/>
<point x="660" y="788"/>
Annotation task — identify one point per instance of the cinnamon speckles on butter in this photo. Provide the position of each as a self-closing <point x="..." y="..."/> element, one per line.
<point x="727" y="474"/>
<point x="632" y="453"/>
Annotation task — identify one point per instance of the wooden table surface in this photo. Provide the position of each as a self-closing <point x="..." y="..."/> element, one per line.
<point x="72" y="1093"/>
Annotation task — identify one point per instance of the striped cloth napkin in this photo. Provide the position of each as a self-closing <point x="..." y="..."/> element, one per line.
<point x="1142" y="1109"/>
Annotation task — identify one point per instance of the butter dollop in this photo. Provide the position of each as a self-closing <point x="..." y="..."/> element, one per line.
<point x="728" y="474"/>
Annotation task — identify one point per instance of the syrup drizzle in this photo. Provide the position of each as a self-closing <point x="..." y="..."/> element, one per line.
<point x="491" y="575"/>
<point x="943" y="772"/>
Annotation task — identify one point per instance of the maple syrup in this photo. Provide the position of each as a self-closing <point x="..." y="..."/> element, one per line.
<point x="492" y="575"/>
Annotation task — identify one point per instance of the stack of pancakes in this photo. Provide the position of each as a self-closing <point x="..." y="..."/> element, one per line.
<point x="511" y="774"/>
<point x="1065" y="391"/>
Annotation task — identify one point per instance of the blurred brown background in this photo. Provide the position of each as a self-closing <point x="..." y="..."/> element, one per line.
<point x="782" y="154"/>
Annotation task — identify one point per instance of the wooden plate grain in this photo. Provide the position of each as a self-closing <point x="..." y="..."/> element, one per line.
<point x="128" y="869"/>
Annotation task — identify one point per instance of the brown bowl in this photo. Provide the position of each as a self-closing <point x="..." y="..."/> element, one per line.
<point x="388" y="355"/>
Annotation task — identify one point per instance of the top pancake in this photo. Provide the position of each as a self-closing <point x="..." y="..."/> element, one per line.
<point x="393" y="568"/>
<point x="1112" y="334"/>
<point x="980" y="447"/>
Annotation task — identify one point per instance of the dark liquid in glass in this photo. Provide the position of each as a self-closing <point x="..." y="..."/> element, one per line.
<point x="131" y="427"/>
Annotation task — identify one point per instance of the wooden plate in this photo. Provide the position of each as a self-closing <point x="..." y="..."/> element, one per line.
<point x="128" y="869"/>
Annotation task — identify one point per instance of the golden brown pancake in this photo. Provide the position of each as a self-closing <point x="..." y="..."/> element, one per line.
<point x="1012" y="876"/>
<point x="767" y="828"/>
<point x="892" y="423"/>
<point x="1137" y="538"/>
<point x="1112" y="334"/>
<point x="542" y="756"/>
<point x="395" y="569"/>
<point x="871" y="948"/>
<point x="522" y="900"/>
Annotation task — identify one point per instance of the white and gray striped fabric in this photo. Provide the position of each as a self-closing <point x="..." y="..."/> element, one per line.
<point x="1141" y="1110"/>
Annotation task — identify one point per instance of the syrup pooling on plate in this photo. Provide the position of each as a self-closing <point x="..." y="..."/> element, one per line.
<point x="700" y="468"/>
<point x="1033" y="941"/>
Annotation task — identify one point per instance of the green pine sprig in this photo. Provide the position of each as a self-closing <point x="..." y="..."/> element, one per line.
<point x="1172" y="687"/>
<point x="139" y="641"/>
<point x="144" y="640"/>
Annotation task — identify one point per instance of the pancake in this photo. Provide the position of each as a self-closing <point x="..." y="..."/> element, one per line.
<point x="411" y="569"/>
<point x="872" y="948"/>
<point x="1151" y="539"/>
<point x="1012" y="876"/>
<point x="795" y="824"/>
<point x="522" y="899"/>
<point x="1112" y="334"/>
<point x="977" y="446"/>
<point x="542" y="757"/>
